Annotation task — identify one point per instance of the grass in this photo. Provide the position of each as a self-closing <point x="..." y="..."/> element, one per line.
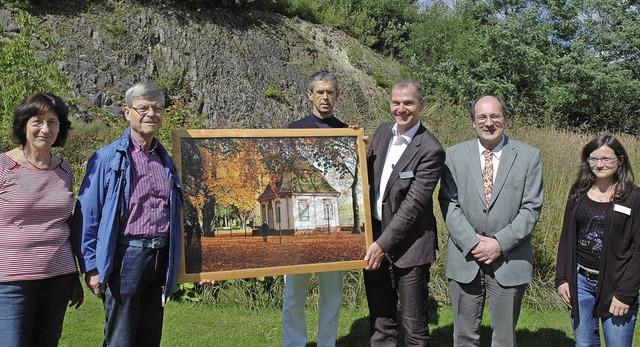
<point x="189" y="324"/>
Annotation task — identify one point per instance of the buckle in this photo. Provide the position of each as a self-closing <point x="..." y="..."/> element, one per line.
<point x="590" y="276"/>
<point x="157" y="242"/>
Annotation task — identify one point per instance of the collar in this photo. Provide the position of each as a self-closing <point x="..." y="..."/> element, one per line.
<point x="407" y="136"/>
<point x="136" y="146"/>
<point x="497" y="150"/>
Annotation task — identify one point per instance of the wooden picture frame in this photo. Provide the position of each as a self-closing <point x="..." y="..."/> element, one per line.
<point x="272" y="202"/>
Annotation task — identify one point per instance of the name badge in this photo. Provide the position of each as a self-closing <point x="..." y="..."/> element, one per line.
<point x="622" y="209"/>
<point x="406" y="174"/>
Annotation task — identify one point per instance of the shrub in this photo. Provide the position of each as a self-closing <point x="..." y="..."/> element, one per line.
<point x="22" y="73"/>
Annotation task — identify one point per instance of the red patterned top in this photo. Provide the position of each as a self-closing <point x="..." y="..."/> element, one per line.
<point x="34" y="208"/>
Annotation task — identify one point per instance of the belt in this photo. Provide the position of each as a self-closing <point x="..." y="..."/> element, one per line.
<point x="153" y="243"/>
<point x="590" y="276"/>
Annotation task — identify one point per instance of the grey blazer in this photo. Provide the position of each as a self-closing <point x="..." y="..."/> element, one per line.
<point x="514" y="209"/>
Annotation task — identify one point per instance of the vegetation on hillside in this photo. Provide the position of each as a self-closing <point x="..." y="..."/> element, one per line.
<point x="24" y="73"/>
<point x="573" y="64"/>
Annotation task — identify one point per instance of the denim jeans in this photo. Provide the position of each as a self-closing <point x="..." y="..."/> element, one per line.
<point x="618" y="331"/>
<point x="32" y="312"/>
<point x="133" y="300"/>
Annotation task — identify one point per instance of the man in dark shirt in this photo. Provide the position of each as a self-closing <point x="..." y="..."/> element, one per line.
<point x="323" y="93"/>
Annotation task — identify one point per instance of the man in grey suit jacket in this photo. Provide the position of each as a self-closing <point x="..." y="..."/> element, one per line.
<point x="489" y="249"/>
<point x="405" y="162"/>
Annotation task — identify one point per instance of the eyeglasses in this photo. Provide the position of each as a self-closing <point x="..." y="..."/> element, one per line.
<point x="145" y="110"/>
<point x="321" y="93"/>
<point x="604" y="160"/>
<point x="481" y="119"/>
<point x="39" y="123"/>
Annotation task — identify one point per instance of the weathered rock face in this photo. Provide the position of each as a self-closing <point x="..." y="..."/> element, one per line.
<point x="239" y="69"/>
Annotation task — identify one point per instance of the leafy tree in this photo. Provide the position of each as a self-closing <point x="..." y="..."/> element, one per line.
<point x="380" y="24"/>
<point x="241" y="178"/>
<point x="25" y="69"/>
<point x="337" y="155"/>
<point x="572" y="63"/>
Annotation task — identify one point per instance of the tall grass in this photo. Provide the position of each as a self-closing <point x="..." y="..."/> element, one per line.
<point x="561" y="158"/>
<point x="561" y="151"/>
<point x="268" y="292"/>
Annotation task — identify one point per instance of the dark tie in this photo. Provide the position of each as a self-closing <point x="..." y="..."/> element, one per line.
<point x="487" y="175"/>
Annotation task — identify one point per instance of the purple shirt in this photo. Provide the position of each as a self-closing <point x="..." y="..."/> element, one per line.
<point x="149" y="201"/>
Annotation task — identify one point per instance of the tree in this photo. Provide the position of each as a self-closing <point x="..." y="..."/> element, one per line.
<point x="26" y="69"/>
<point x="338" y="155"/>
<point x="199" y="179"/>
<point x="572" y="63"/>
<point x="241" y="178"/>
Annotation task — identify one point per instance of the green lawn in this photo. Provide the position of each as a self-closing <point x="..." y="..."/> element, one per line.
<point x="197" y="325"/>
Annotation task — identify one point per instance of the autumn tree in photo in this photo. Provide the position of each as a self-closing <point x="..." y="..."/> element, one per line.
<point x="241" y="176"/>
<point x="338" y="155"/>
<point x="199" y="180"/>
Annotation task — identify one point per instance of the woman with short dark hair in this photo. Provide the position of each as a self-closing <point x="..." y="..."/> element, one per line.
<point x="598" y="256"/>
<point x="38" y="272"/>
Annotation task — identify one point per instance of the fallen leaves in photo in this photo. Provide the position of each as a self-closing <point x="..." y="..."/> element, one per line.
<point x="235" y="252"/>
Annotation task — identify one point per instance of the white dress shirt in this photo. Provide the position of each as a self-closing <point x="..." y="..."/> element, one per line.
<point x="497" y="153"/>
<point x="397" y="145"/>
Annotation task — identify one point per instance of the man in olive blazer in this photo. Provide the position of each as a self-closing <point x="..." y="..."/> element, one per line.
<point x="405" y="163"/>
<point x="489" y="249"/>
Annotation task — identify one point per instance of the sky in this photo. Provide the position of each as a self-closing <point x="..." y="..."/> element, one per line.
<point x="424" y="3"/>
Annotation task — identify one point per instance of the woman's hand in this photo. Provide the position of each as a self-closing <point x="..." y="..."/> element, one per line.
<point x="618" y="308"/>
<point x="77" y="294"/>
<point x="563" y="290"/>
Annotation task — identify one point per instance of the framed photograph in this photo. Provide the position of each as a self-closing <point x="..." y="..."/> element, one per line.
<point x="272" y="202"/>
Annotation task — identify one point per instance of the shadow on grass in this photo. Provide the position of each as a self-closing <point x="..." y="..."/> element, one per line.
<point x="358" y="335"/>
<point x="443" y="336"/>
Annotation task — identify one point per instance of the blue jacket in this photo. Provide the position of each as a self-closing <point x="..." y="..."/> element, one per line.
<point x="102" y="206"/>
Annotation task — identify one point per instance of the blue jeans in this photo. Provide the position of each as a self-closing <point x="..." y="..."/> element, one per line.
<point x="618" y="331"/>
<point x="133" y="300"/>
<point x="32" y="312"/>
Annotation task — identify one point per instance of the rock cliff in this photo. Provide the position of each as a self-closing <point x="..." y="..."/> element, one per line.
<point x="240" y="69"/>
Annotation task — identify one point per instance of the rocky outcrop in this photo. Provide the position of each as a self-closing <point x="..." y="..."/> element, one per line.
<point x="239" y="69"/>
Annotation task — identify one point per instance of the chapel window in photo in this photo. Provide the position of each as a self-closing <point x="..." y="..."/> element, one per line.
<point x="328" y="210"/>
<point x="303" y="210"/>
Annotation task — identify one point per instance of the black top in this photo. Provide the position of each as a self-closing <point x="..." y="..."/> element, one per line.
<point x="590" y="222"/>
<point x="313" y="121"/>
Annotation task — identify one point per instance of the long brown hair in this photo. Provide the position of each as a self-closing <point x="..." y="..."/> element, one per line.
<point x="623" y="177"/>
